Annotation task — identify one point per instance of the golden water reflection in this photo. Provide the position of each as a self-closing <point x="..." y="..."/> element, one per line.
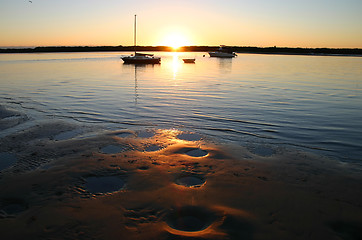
<point x="175" y="64"/>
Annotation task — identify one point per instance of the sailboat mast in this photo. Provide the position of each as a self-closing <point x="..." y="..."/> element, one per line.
<point x="135" y="29"/>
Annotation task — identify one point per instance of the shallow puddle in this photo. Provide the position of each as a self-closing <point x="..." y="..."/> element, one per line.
<point x="189" y="136"/>
<point x="13" y="209"/>
<point x="143" y="167"/>
<point x="13" y="206"/>
<point x="104" y="184"/>
<point x="67" y="135"/>
<point x="190" y="219"/>
<point x="112" y="149"/>
<point x="190" y="181"/>
<point x="153" y="148"/>
<point x="7" y="160"/>
<point x="124" y="134"/>
<point x="145" y="134"/>
<point x="197" y="152"/>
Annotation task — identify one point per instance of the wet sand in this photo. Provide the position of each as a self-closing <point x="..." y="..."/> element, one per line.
<point x="65" y="181"/>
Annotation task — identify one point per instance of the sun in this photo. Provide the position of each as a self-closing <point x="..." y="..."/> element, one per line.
<point x="175" y="40"/>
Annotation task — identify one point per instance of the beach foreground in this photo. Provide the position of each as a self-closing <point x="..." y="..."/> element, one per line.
<point x="64" y="181"/>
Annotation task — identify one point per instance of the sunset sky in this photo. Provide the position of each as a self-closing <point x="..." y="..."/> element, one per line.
<point x="262" y="23"/>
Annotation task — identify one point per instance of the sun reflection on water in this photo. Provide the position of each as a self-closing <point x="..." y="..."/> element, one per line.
<point x="175" y="64"/>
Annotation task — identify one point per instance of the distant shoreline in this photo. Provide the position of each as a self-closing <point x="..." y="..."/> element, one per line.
<point x="253" y="50"/>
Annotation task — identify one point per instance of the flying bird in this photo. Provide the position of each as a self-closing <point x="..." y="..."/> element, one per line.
<point x="31" y="1"/>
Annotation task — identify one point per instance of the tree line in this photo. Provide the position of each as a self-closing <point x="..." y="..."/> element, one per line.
<point x="238" y="49"/>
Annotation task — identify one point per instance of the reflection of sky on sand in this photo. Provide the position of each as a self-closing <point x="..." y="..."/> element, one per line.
<point x="230" y="193"/>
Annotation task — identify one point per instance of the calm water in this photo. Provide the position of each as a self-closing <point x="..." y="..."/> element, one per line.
<point x="309" y="102"/>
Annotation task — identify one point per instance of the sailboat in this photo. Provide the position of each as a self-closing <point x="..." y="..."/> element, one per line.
<point x="140" y="58"/>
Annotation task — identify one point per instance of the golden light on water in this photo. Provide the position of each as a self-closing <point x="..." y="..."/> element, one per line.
<point x="175" y="64"/>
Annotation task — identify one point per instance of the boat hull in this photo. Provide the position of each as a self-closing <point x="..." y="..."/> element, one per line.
<point x="135" y="60"/>
<point x="189" y="60"/>
<point x="222" y="54"/>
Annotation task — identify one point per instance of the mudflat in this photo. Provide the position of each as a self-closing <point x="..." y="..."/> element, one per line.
<point x="60" y="180"/>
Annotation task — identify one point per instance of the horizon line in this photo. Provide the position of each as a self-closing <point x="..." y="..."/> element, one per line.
<point x="164" y="46"/>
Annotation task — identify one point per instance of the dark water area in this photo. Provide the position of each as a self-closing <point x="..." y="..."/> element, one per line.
<point x="7" y="160"/>
<point x="104" y="184"/>
<point x="260" y="102"/>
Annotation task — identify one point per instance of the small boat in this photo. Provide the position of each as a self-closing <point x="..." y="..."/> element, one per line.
<point x="223" y="52"/>
<point x="140" y="58"/>
<point x="189" y="60"/>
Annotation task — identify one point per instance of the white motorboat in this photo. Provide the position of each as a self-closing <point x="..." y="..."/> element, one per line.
<point x="140" y="58"/>
<point x="223" y="52"/>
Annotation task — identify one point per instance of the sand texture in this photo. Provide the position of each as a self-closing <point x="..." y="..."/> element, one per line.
<point x="60" y="180"/>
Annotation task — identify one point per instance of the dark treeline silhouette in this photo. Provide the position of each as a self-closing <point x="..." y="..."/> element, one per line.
<point x="238" y="49"/>
<point x="304" y="51"/>
<point x="84" y="49"/>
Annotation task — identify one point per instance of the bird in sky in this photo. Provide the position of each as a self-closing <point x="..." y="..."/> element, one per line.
<point x="31" y="1"/>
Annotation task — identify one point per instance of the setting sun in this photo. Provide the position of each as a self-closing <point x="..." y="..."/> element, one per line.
<point x="175" y="40"/>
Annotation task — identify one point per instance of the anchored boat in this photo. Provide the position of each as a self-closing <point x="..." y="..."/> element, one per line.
<point x="189" y="60"/>
<point x="223" y="52"/>
<point x="141" y="58"/>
